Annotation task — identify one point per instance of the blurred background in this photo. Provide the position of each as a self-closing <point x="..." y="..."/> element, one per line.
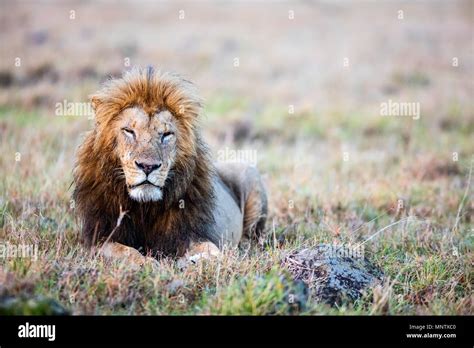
<point x="287" y="52"/>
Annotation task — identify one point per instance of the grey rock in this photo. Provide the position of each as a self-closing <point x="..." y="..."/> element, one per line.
<point x="22" y="305"/>
<point x="332" y="273"/>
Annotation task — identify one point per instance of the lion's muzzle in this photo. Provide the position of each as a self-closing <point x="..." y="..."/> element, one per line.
<point x="148" y="180"/>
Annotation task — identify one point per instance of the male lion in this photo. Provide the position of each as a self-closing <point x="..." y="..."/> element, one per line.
<point x="144" y="179"/>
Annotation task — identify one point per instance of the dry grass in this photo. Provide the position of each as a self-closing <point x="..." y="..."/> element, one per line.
<point x="315" y="195"/>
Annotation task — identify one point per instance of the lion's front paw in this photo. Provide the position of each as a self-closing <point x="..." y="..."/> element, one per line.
<point x="198" y="252"/>
<point x="128" y="256"/>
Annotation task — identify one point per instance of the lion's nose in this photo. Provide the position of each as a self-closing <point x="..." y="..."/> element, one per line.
<point x="148" y="167"/>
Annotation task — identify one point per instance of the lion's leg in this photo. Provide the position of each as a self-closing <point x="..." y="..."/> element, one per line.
<point x="246" y="184"/>
<point x="128" y="255"/>
<point x="256" y="204"/>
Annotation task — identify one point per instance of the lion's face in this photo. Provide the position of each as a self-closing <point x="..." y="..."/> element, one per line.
<point x="146" y="146"/>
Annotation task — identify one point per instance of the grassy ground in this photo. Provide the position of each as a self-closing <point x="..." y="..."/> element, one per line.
<point x="336" y="170"/>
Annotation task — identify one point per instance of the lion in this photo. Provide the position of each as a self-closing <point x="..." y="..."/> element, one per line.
<point x="144" y="182"/>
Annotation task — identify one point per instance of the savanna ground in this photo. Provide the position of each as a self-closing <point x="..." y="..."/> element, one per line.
<point x="305" y="94"/>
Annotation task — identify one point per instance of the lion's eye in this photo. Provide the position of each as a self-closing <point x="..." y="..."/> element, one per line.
<point x="128" y="132"/>
<point x="166" y="137"/>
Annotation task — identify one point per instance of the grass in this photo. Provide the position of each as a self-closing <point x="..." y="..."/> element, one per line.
<point x="426" y="257"/>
